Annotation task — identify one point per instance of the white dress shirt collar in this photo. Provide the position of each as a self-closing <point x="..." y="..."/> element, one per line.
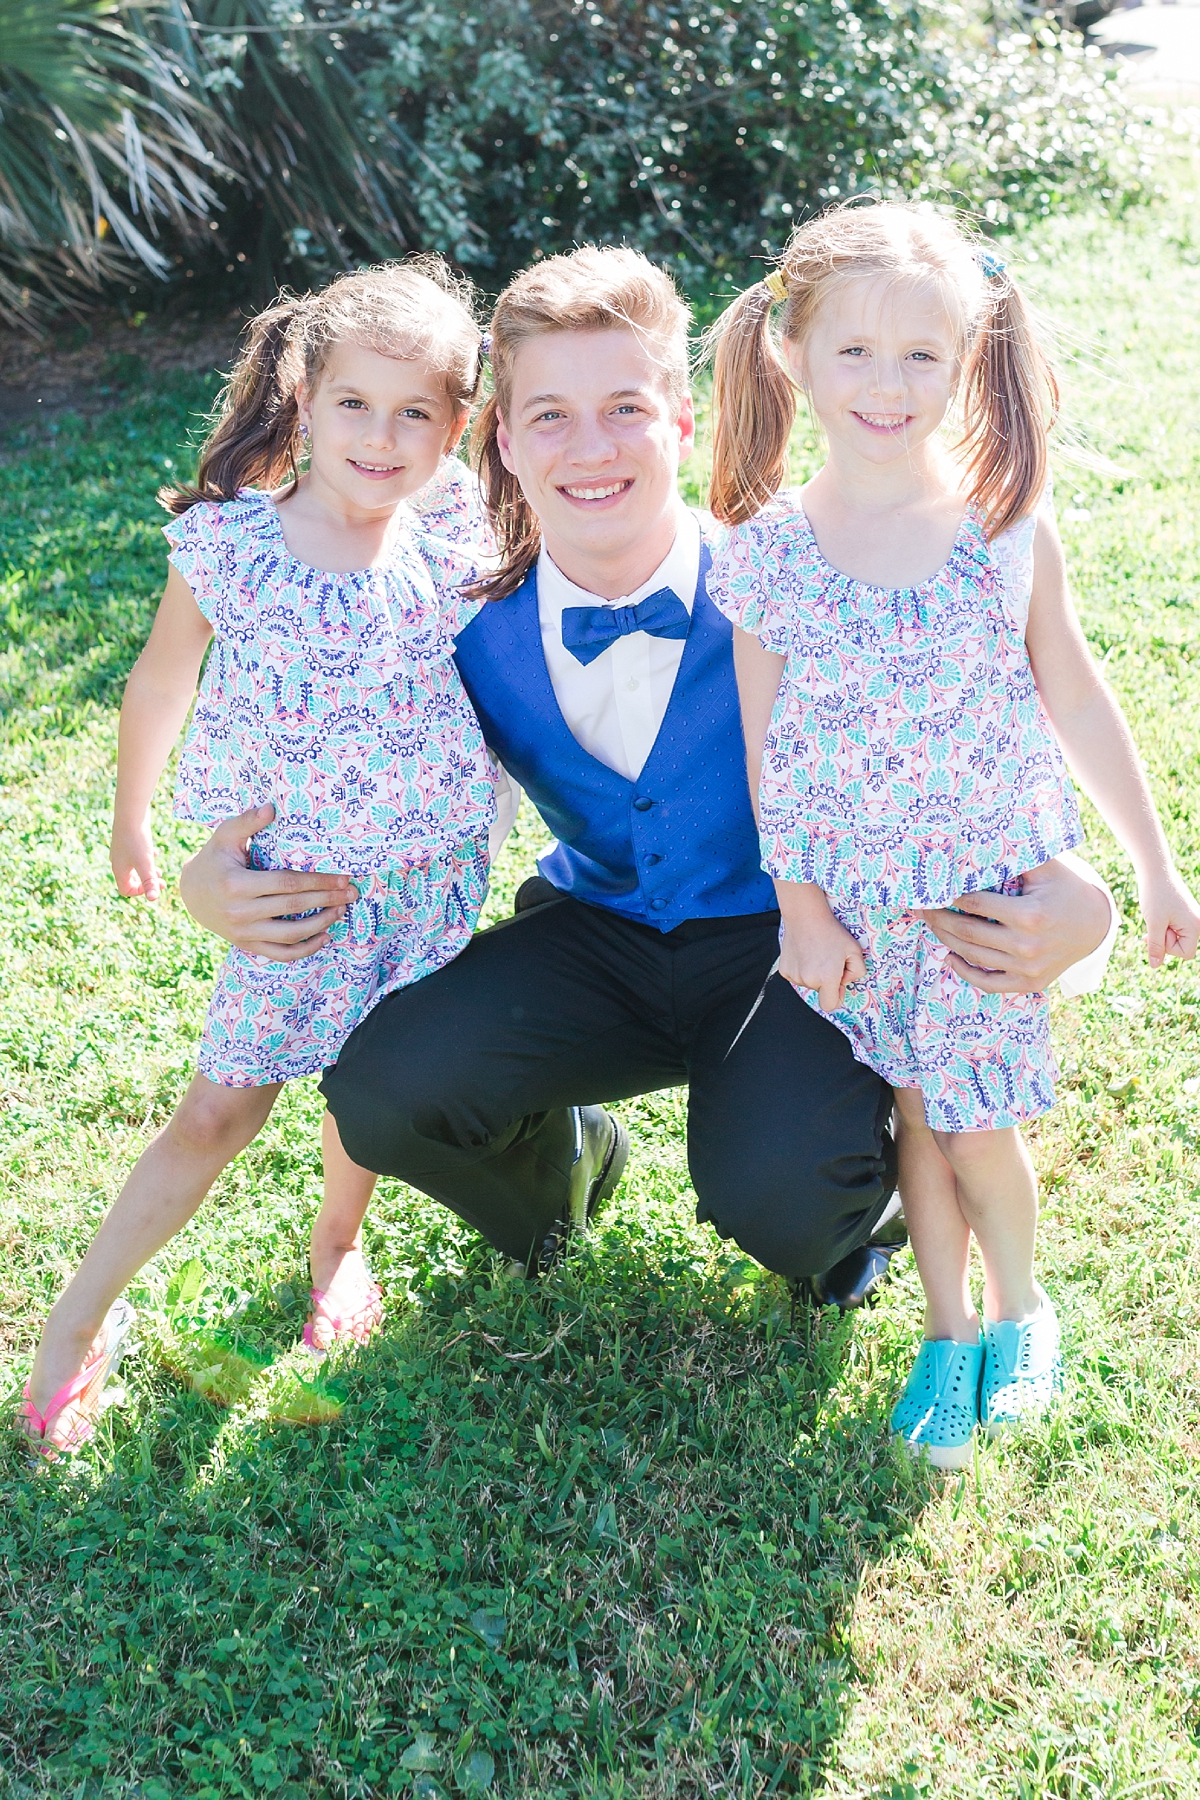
<point x="679" y="570"/>
<point x="615" y="705"/>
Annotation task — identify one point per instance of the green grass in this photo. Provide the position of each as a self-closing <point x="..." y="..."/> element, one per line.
<point x="624" y="1534"/>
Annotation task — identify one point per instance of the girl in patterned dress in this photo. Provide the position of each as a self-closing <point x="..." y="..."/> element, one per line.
<point x="909" y="662"/>
<point x="328" y="609"/>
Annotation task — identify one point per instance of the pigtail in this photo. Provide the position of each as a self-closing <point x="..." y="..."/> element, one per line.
<point x="1010" y="403"/>
<point x="256" y="442"/>
<point x="518" y="533"/>
<point x="754" y="406"/>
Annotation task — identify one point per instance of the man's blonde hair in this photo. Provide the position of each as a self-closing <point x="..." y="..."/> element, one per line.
<point x="591" y="289"/>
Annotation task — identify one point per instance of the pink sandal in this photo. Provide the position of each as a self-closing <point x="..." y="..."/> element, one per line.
<point x="69" y="1421"/>
<point x="358" y="1325"/>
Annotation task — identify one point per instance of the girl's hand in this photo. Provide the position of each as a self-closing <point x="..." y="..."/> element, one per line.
<point x="133" y="861"/>
<point x="818" y="952"/>
<point x="1172" y="918"/>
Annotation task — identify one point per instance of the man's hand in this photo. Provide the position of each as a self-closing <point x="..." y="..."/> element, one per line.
<point x="817" y="951"/>
<point x="244" y="905"/>
<point x="1019" y="944"/>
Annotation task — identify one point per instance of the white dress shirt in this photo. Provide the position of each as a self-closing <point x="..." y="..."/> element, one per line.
<point x="615" y="705"/>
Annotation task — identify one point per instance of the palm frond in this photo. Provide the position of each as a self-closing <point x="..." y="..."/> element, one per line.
<point x="102" y="145"/>
<point x="325" y="166"/>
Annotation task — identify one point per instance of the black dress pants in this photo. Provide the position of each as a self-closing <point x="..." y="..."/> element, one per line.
<point x="460" y="1083"/>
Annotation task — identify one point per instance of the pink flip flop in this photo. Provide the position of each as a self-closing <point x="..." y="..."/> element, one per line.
<point x="358" y="1324"/>
<point x="69" y="1421"/>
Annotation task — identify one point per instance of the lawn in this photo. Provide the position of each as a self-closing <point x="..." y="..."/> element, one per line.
<point x="629" y="1532"/>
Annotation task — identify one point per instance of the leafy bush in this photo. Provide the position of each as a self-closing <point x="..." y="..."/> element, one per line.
<point x="700" y="132"/>
<point x="321" y="179"/>
<point x="1034" y="120"/>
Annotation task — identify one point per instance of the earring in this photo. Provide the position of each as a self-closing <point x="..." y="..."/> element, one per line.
<point x="304" y="433"/>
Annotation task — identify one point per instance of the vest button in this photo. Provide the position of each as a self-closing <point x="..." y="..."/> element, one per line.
<point x="642" y="804"/>
<point x="653" y="858"/>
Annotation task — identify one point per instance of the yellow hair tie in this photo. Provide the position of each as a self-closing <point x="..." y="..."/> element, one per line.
<point x="776" y="286"/>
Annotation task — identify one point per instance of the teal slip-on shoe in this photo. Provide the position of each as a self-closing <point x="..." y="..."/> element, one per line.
<point x="939" y="1409"/>
<point x="1022" y="1368"/>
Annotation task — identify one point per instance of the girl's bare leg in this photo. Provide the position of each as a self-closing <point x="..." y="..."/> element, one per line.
<point x="209" y="1128"/>
<point x="937" y="1229"/>
<point x="997" y="1191"/>
<point x="335" y="1256"/>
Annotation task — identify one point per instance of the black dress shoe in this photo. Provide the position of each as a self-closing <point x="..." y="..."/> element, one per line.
<point x="601" y="1152"/>
<point x="857" y="1279"/>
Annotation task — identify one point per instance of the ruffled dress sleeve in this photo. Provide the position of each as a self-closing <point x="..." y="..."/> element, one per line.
<point x="750" y="576"/>
<point x="451" y="507"/>
<point x="206" y="555"/>
<point x="452" y="567"/>
<point x="1012" y="553"/>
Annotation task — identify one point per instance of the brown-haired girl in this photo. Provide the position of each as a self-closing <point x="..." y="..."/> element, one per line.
<point x="330" y="696"/>
<point x="909" y="660"/>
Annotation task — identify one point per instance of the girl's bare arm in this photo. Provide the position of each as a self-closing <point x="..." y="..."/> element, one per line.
<point x="1099" y="747"/>
<point x="157" y="697"/>
<point x="759" y="673"/>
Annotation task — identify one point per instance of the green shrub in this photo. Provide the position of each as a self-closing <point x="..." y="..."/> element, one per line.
<point x="319" y="179"/>
<point x="701" y="132"/>
<point x="500" y="132"/>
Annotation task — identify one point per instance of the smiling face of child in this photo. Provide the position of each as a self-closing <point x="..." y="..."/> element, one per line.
<point x="880" y="366"/>
<point x="378" y="426"/>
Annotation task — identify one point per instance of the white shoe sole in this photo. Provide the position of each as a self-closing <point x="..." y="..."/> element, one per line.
<point x="941" y="1456"/>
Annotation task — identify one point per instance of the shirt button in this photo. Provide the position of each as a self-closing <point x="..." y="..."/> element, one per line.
<point x="642" y="804"/>
<point x="632" y="686"/>
<point x="652" y="859"/>
<point x="658" y="905"/>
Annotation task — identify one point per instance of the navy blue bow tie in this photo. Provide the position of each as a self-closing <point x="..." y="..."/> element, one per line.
<point x="587" y="631"/>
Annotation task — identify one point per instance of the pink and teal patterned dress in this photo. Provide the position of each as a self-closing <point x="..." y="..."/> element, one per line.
<point x="335" y="698"/>
<point x="909" y="760"/>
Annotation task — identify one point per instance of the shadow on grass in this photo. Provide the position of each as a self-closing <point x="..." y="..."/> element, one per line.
<point x="602" y="1536"/>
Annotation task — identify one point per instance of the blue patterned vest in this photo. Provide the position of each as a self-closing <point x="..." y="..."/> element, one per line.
<point x="679" y="842"/>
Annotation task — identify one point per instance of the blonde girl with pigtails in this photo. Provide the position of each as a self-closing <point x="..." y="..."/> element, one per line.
<point x="328" y="608"/>
<point x="912" y="673"/>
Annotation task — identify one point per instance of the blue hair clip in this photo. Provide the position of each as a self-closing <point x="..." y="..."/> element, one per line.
<point x="485" y="344"/>
<point x="991" y="264"/>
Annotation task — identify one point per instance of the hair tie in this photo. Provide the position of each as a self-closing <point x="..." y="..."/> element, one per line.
<point x="993" y="266"/>
<point x="775" y="285"/>
<point x="485" y="344"/>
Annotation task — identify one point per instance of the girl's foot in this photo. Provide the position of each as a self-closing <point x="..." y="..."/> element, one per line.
<point x="349" y="1310"/>
<point x="939" y="1408"/>
<point x="1022" y="1368"/>
<point x="69" y="1420"/>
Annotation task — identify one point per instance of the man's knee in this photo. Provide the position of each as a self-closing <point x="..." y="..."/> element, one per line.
<point x="796" y="1222"/>
<point x="398" y="1122"/>
<point x="408" y="1103"/>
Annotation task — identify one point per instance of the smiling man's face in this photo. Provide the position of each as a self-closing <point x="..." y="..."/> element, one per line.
<point x="595" y="438"/>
